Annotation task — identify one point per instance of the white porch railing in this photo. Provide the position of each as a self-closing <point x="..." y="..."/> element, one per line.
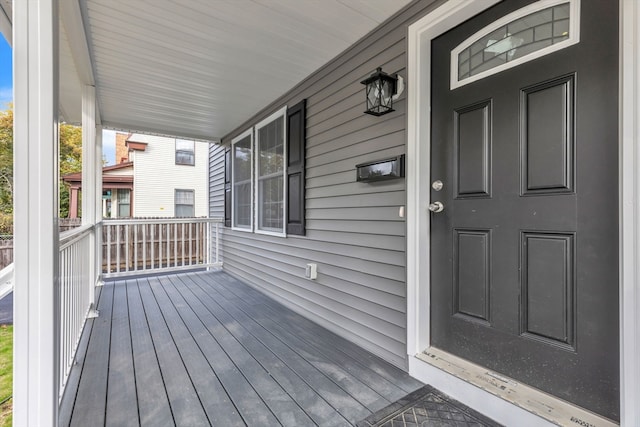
<point x="141" y="246"/>
<point x="76" y="290"/>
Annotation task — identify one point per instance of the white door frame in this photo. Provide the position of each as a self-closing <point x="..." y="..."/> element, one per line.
<point x="420" y="34"/>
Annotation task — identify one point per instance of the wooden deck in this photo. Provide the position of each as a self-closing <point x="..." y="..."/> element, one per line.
<point x="201" y="349"/>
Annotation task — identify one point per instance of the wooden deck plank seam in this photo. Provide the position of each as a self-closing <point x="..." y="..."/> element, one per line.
<point x="298" y="347"/>
<point x="155" y="351"/>
<point x="302" y="358"/>
<point x="120" y="288"/>
<point x="281" y="359"/>
<point x="332" y="353"/>
<point x="161" y="284"/>
<point x="256" y="361"/>
<point x="277" y="316"/>
<point x="277" y="308"/>
<point x="179" y="354"/>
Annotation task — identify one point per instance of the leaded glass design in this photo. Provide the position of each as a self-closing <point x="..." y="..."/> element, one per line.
<point x="517" y="39"/>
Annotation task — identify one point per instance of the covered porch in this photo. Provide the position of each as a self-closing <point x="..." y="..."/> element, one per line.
<point x="203" y="348"/>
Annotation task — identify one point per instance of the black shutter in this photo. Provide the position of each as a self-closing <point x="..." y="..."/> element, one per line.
<point x="296" y="136"/>
<point x="227" y="187"/>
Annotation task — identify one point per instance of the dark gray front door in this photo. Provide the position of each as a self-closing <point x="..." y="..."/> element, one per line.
<point x="524" y="256"/>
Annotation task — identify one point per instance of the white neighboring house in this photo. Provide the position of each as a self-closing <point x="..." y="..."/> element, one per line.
<point x="155" y="176"/>
<point x="169" y="179"/>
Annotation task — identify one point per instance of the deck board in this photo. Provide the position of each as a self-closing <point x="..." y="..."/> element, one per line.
<point x="91" y="399"/>
<point x="121" y="410"/>
<point x="153" y="402"/>
<point x="206" y="349"/>
<point x="307" y="328"/>
<point x="185" y="403"/>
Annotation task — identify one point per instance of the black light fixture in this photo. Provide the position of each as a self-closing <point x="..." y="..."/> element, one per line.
<point x="381" y="90"/>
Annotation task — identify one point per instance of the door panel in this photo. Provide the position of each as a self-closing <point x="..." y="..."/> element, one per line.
<point x="524" y="267"/>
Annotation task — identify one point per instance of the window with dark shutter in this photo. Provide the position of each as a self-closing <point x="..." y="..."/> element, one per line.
<point x="267" y="205"/>
<point x="296" y="136"/>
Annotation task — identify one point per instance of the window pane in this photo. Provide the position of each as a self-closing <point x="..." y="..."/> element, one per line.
<point x="242" y="204"/>
<point x="184" y="211"/>
<point x="184" y="197"/>
<point x="271" y="156"/>
<point x="514" y="40"/>
<point x="242" y="159"/>
<point x="270" y="203"/>
<point x="184" y="203"/>
<point x="124" y="196"/>
<point x="185" y="152"/>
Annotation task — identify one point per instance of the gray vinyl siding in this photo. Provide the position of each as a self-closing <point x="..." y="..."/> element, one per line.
<point x="354" y="232"/>
<point x="216" y="190"/>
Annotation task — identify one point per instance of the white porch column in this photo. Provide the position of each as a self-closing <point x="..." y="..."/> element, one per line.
<point x="91" y="167"/>
<point x="36" y="296"/>
<point x="98" y="207"/>
<point x="89" y="160"/>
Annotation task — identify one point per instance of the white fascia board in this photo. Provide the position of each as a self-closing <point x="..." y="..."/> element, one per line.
<point x="71" y="18"/>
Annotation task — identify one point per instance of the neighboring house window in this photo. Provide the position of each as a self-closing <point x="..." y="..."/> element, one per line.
<point x="268" y="192"/>
<point x="241" y="181"/>
<point x="270" y="168"/>
<point x="124" y="203"/>
<point x="185" y="152"/>
<point x="185" y="203"/>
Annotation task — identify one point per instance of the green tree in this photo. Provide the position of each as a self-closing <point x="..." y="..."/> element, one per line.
<point x="6" y="160"/>
<point x="70" y="162"/>
<point x="6" y="171"/>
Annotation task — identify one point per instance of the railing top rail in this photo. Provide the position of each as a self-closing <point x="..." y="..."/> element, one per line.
<point x="143" y="221"/>
<point x="67" y="238"/>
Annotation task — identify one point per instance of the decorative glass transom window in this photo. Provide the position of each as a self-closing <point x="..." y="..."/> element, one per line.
<point x="528" y="33"/>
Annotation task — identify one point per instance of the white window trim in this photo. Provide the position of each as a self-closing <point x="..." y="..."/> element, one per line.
<point x="574" y="37"/>
<point x="282" y="113"/>
<point x="243" y="135"/>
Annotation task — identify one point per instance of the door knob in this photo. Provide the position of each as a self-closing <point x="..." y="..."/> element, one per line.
<point x="436" y="207"/>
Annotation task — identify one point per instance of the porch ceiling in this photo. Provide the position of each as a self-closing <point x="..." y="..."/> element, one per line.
<point x="200" y="68"/>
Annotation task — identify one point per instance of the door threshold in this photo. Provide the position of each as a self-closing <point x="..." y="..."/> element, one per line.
<point x="544" y="405"/>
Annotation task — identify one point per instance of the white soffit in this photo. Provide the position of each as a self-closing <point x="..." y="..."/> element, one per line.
<point x="199" y="68"/>
<point x="5" y="20"/>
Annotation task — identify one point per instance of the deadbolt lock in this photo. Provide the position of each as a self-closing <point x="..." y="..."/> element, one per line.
<point x="437" y="185"/>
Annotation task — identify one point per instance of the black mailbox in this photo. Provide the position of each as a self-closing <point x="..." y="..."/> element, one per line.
<point x="381" y="170"/>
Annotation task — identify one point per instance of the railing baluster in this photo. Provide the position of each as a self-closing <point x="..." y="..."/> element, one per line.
<point x="73" y="293"/>
<point x="174" y="244"/>
<point x="182" y="239"/>
<point x="144" y="246"/>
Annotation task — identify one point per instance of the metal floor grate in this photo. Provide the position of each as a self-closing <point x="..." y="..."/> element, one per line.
<point x="427" y="407"/>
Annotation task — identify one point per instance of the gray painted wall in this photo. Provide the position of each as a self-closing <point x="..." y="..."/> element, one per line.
<point x="354" y="232"/>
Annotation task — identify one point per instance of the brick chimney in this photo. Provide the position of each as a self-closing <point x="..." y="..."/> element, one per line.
<point x="122" y="151"/>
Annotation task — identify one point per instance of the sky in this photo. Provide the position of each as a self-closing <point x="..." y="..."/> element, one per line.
<point x="6" y="95"/>
<point x="6" y="80"/>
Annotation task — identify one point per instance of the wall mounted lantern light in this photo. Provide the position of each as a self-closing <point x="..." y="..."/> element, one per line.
<point x="381" y="90"/>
